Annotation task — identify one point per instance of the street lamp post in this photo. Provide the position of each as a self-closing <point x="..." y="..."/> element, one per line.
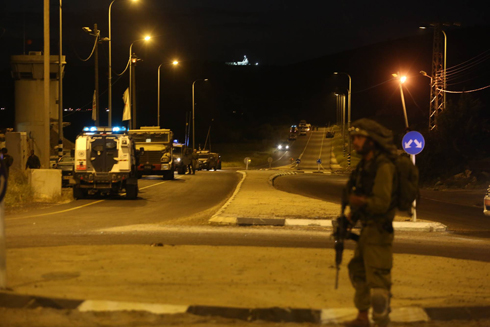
<point x="60" y="86"/>
<point x="193" y="124"/>
<point x="349" y="91"/>
<point x="109" y="86"/>
<point x="175" y="62"/>
<point x="403" y="79"/>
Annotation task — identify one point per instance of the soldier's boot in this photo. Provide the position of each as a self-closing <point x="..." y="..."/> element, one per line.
<point x="362" y="320"/>
<point x="380" y="302"/>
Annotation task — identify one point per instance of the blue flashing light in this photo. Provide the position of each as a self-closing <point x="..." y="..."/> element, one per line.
<point x="93" y="129"/>
<point x="117" y="129"/>
<point x="176" y="141"/>
<point x="85" y="129"/>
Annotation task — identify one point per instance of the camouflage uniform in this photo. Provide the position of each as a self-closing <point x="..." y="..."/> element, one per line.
<point x="370" y="268"/>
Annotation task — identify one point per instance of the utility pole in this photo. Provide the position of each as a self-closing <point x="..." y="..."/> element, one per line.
<point x="97" y="112"/>
<point x="438" y="79"/>
<point x="436" y="93"/>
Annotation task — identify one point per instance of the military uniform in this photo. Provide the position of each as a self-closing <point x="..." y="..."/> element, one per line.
<point x="370" y="268"/>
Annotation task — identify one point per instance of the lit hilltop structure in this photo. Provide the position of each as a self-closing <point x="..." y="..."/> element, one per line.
<point x="244" y="62"/>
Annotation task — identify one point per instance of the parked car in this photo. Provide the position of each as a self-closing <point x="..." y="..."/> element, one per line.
<point x="486" y="203"/>
<point x="330" y="134"/>
<point x="66" y="165"/>
<point x="208" y="160"/>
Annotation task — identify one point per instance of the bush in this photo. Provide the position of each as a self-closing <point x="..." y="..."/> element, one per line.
<point x="19" y="191"/>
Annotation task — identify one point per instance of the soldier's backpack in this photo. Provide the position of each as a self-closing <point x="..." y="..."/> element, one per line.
<point x="408" y="182"/>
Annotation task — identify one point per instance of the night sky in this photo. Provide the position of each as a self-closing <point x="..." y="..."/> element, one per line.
<point x="270" y="32"/>
<point x="274" y="33"/>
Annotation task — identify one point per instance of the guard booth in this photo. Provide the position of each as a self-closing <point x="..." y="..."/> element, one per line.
<point x="28" y="73"/>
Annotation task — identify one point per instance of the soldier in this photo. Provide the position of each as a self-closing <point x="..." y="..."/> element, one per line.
<point x="33" y="161"/>
<point x="187" y="161"/>
<point x="194" y="161"/>
<point x="371" y="195"/>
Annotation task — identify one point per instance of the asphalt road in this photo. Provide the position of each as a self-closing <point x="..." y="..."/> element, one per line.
<point x="187" y="200"/>
<point x="459" y="218"/>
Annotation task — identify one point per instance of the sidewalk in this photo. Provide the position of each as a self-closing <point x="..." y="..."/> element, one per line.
<point x="257" y="202"/>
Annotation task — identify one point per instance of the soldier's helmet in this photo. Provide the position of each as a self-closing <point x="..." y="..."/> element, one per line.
<point x="378" y="133"/>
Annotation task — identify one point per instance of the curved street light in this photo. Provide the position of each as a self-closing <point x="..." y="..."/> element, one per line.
<point x="175" y="63"/>
<point x="193" y="124"/>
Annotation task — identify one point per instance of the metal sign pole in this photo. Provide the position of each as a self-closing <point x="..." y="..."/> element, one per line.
<point x="414" y="205"/>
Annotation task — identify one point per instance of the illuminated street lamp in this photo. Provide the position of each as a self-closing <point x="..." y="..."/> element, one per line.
<point x="109" y="91"/>
<point x="349" y="91"/>
<point x="175" y="63"/>
<point x="193" y="124"/>
<point x="402" y="79"/>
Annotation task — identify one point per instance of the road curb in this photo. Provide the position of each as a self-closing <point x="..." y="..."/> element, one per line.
<point x="403" y="226"/>
<point x="273" y="314"/>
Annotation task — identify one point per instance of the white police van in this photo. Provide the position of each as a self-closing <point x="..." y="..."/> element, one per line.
<point x="105" y="163"/>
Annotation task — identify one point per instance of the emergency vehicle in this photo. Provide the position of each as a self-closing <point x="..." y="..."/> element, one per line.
<point x="105" y="163"/>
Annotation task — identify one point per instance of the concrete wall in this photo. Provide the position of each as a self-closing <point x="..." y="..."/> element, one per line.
<point x="46" y="183"/>
<point x="16" y="143"/>
<point x="28" y="73"/>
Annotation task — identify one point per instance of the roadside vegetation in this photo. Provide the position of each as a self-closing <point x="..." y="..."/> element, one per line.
<point x="456" y="155"/>
<point x="233" y="155"/>
<point x="258" y="145"/>
<point x="19" y="191"/>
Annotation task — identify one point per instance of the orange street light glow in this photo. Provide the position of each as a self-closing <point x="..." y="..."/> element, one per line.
<point x="175" y="62"/>
<point x="147" y="37"/>
<point x="403" y="79"/>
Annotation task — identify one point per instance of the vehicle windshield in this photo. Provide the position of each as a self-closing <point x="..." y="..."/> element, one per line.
<point x="150" y="138"/>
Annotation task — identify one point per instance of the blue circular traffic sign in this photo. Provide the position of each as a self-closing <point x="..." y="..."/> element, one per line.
<point x="298" y="160"/>
<point x="319" y="161"/>
<point x="413" y="142"/>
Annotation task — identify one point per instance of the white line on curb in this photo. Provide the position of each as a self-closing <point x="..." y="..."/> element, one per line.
<point x="215" y="217"/>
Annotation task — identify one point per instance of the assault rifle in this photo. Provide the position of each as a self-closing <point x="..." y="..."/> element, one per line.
<point x="341" y="232"/>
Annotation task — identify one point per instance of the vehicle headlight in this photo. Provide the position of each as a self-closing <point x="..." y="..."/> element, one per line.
<point x="279" y="147"/>
<point x="178" y="159"/>
<point x="287" y="146"/>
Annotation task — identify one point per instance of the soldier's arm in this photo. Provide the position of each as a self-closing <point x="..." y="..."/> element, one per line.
<point x="379" y="201"/>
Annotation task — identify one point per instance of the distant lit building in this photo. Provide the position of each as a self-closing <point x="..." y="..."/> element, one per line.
<point x="244" y="62"/>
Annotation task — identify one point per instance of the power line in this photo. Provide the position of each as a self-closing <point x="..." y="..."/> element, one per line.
<point x="469" y="91"/>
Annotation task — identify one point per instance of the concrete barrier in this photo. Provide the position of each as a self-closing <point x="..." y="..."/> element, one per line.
<point x="46" y="183"/>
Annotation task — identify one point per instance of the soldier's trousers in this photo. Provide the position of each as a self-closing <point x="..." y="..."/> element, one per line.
<point x="370" y="268"/>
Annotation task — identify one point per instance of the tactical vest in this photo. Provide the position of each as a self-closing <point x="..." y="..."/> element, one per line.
<point x="362" y="182"/>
